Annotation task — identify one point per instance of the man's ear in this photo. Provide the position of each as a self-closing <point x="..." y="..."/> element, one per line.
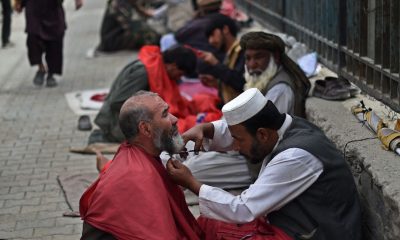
<point x="263" y="134"/>
<point x="145" y="128"/>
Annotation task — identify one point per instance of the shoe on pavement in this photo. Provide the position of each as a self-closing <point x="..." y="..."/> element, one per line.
<point x="354" y="90"/>
<point x="8" y="45"/>
<point x="84" y="123"/>
<point x="38" y="80"/>
<point x="51" y="81"/>
<point x="329" y="91"/>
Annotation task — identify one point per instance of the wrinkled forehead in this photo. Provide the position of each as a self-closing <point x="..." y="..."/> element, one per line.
<point x="257" y="53"/>
<point x="157" y="105"/>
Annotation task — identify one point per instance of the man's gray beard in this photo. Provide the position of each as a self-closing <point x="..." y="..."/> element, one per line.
<point x="260" y="81"/>
<point x="165" y="142"/>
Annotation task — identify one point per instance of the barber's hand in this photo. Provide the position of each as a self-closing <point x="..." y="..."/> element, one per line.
<point x="78" y="4"/>
<point x="181" y="175"/>
<point x="208" y="58"/>
<point x="208" y="80"/>
<point x="196" y="135"/>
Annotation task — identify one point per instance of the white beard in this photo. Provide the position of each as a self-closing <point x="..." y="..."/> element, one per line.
<point x="172" y="144"/>
<point x="260" y="81"/>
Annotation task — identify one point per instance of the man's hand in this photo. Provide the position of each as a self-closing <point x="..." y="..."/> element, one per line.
<point x="208" y="58"/>
<point x="78" y="4"/>
<point x="196" y="135"/>
<point x="208" y="80"/>
<point x="181" y="175"/>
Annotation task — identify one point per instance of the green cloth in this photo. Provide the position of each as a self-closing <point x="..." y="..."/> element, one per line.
<point x="130" y="80"/>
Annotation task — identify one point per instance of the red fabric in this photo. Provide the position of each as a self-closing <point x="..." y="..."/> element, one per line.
<point x="205" y="104"/>
<point x="99" y="97"/>
<point x="135" y="199"/>
<point x="255" y="230"/>
<point x="159" y="82"/>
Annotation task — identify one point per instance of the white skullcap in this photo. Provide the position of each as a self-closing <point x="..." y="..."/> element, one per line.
<point x="244" y="106"/>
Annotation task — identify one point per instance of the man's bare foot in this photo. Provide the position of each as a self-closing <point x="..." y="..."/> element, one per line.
<point x="100" y="160"/>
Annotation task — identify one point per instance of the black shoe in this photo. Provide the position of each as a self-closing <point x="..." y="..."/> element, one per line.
<point x="51" y="81"/>
<point x="330" y="91"/>
<point x="8" y="45"/>
<point x="84" y="123"/>
<point x="354" y="90"/>
<point x="38" y="80"/>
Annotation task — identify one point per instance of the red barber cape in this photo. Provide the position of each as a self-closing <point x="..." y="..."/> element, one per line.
<point x="135" y="199"/>
<point x="201" y="109"/>
<point x="255" y="230"/>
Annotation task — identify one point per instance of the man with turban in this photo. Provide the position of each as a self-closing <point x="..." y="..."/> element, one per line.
<point x="280" y="80"/>
<point x="271" y="71"/>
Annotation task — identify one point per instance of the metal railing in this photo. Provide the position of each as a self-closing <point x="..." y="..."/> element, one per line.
<point x="359" y="39"/>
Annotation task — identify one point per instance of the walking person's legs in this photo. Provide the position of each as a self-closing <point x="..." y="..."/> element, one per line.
<point x="54" y="60"/>
<point x="6" y="28"/>
<point x="35" y="52"/>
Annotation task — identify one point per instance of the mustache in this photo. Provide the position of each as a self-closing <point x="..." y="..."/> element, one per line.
<point x="256" y="72"/>
<point x="174" y="130"/>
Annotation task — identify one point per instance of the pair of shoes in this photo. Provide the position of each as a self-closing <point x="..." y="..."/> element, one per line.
<point x="38" y="80"/>
<point x="330" y="90"/>
<point x="8" y="45"/>
<point x="84" y="123"/>
<point x="51" y="81"/>
<point x="344" y="83"/>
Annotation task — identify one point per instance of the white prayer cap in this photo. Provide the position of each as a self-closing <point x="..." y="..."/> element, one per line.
<point x="244" y="106"/>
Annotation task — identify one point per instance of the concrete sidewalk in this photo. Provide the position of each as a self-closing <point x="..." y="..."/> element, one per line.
<point x="37" y="128"/>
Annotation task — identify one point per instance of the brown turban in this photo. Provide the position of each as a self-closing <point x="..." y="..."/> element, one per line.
<point x="262" y="40"/>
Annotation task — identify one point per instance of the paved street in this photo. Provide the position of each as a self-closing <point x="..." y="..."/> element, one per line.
<point x="37" y="128"/>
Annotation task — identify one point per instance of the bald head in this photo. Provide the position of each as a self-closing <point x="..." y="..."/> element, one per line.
<point x="134" y="110"/>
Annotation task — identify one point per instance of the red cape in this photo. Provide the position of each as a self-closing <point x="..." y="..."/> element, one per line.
<point x="256" y="230"/>
<point x="188" y="112"/>
<point x="135" y="199"/>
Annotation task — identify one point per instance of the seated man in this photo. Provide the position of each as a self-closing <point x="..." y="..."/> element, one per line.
<point x="268" y="68"/>
<point x="193" y="32"/>
<point x="226" y="76"/>
<point x="119" y="31"/>
<point x="304" y="187"/>
<point x="271" y="71"/>
<point x="135" y="198"/>
<point x="159" y="73"/>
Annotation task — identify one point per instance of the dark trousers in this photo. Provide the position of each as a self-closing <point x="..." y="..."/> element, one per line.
<point x="91" y="233"/>
<point x="6" y="29"/>
<point x="53" y="51"/>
